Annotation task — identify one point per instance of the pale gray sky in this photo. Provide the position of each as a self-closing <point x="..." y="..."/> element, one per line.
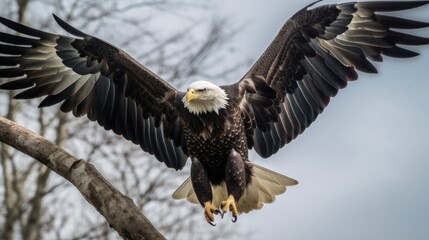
<point x="363" y="166"/>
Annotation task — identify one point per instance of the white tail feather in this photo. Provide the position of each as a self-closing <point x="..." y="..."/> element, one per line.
<point x="186" y="191"/>
<point x="263" y="188"/>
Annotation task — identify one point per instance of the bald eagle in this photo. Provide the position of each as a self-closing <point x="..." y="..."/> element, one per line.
<point x="315" y="54"/>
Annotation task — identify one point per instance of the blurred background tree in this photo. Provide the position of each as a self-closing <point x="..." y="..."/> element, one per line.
<point x="36" y="204"/>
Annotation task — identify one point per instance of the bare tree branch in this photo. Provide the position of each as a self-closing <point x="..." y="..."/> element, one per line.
<point x="119" y="210"/>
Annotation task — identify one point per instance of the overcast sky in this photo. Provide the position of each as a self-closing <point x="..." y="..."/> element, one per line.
<point x="363" y="165"/>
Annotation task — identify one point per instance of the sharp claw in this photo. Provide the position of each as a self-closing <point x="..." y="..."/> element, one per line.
<point x="211" y="223"/>
<point x="209" y="212"/>
<point x="221" y="213"/>
<point x="234" y="219"/>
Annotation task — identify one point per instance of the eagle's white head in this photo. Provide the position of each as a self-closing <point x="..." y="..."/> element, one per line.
<point x="204" y="97"/>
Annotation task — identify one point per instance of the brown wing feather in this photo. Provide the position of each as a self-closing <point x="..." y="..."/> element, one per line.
<point x="91" y="77"/>
<point x="313" y="56"/>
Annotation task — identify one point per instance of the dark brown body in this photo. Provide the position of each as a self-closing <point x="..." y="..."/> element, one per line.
<point x="217" y="144"/>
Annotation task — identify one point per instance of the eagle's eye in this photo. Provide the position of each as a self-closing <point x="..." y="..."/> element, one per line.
<point x="202" y="90"/>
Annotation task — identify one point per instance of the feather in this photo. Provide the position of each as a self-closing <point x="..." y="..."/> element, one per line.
<point x="287" y="126"/>
<point x="17" y="40"/>
<point x="169" y="149"/>
<point x="305" y="49"/>
<point x="108" y="108"/>
<point x="75" y="101"/>
<point x="398" y="52"/>
<point x="24" y="29"/>
<point x="131" y="123"/>
<point x="261" y="144"/>
<point x="277" y="137"/>
<point x="102" y="89"/>
<point x="11" y="73"/>
<point x="269" y="137"/>
<point x="318" y="79"/>
<point x="407" y="39"/>
<point x="48" y="78"/>
<point x="121" y="119"/>
<point x="311" y="107"/>
<point x="304" y="106"/>
<point x="365" y="33"/>
<point x="369" y="41"/>
<point x="345" y="73"/>
<point x="400" y="23"/>
<point x="55" y="98"/>
<point x="51" y="62"/>
<point x="390" y="6"/>
<point x="146" y="137"/>
<point x="35" y="92"/>
<point x="66" y="81"/>
<point x="150" y="127"/>
<point x="68" y="54"/>
<point x="299" y="115"/>
<point x="371" y="52"/>
<point x="68" y="27"/>
<point x="158" y="141"/>
<point x="319" y="64"/>
<point x="139" y="126"/>
<point x="85" y="105"/>
<point x="321" y="99"/>
<point x="296" y="127"/>
<point x="185" y="190"/>
<point x="335" y="30"/>
<point x="83" y="69"/>
<point x="17" y="84"/>
<point x="9" y="61"/>
<point x="45" y="74"/>
<point x="13" y="50"/>
<point x="349" y="56"/>
<point x="73" y="62"/>
<point x="264" y="186"/>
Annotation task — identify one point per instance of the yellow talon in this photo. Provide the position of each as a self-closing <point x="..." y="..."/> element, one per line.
<point x="209" y="211"/>
<point x="229" y="204"/>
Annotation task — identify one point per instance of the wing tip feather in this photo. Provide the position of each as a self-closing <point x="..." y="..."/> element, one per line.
<point x="69" y="28"/>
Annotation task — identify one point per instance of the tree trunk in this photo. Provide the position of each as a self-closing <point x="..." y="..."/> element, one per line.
<point x="119" y="210"/>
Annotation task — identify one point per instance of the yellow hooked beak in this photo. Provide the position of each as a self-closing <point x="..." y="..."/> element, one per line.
<point x="191" y="95"/>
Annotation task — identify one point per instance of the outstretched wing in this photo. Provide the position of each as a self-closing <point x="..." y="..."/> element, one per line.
<point x="92" y="77"/>
<point x="313" y="56"/>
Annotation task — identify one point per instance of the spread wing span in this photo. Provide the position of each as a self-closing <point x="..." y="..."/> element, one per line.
<point x="91" y="77"/>
<point x="313" y="56"/>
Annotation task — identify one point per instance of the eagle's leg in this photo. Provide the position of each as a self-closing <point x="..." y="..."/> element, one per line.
<point x="203" y="190"/>
<point x="235" y="183"/>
